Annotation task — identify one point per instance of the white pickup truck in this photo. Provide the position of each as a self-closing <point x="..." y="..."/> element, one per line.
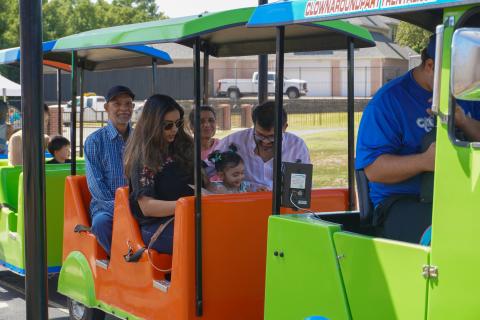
<point x="95" y="103"/>
<point x="234" y="88"/>
<point x="93" y="108"/>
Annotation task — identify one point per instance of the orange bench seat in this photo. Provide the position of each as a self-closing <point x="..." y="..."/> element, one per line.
<point x="234" y="236"/>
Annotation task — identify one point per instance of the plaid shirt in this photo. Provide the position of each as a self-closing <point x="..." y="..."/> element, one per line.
<point x="104" y="167"/>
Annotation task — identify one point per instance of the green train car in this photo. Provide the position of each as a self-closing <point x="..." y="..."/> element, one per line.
<point x="12" y="239"/>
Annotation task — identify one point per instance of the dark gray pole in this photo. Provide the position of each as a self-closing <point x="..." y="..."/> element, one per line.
<point x="73" y="115"/>
<point x="198" y="184"/>
<point x="154" y="76"/>
<point x="262" y="72"/>
<point x="277" y="153"/>
<point x="36" y="291"/>
<point x="59" y="100"/>
<point x="206" y="67"/>
<point x="351" y="123"/>
<point x="82" y="106"/>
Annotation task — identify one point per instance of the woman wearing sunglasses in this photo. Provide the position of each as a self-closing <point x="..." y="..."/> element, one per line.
<point x="159" y="167"/>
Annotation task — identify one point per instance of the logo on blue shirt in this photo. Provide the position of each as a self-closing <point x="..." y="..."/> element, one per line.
<point x="426" y="123"/>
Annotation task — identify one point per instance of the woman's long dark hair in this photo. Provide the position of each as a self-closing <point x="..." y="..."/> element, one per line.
<point x="147" y="147"/>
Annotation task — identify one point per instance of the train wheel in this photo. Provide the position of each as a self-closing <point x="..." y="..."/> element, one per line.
<point x="78" y="311"/>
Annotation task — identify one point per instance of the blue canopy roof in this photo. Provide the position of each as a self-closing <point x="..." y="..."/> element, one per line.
<point x="427" y="12"/>
<point x="96" y="59"/>
<point x="12" y="55"/>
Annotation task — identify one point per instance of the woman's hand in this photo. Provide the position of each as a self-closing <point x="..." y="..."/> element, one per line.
<point x="217" y="188"/>
<point x="156" y="208"/>
<point x="262" y="189"/>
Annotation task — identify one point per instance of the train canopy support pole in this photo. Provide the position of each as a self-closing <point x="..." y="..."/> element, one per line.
<point x="198" y="184"/>
<point x="351" y="124"/>
<point x="59" y="101"/>
<point x="31" y="74"/>
<point x="82" y="107"/>
<point x="206" y="67"/>
<point x="262" y="72"/>
<point x="277" y="151"/>
<point x="154" y="76"/>
<point x="73" y="115"/>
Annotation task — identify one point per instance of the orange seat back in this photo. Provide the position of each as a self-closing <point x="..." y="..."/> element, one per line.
<point x="326" y="200"/>
<point x="76" y="212"/>
<point x="234" y="238"/>
<point x="77" y="202"/>
<point x="127" y="235"/>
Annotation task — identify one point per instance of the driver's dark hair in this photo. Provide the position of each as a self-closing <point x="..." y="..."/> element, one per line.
<point x="424" y="56"/>
<point x="263" y="115"/>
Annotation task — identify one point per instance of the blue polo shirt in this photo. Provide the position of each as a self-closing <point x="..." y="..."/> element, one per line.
<point x="395" y="122"/>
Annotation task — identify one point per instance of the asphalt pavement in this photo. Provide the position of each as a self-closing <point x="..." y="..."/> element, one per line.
<point x="12" y="298"/>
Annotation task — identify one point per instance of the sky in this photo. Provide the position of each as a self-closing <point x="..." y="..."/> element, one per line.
<point x="181" y="8"/>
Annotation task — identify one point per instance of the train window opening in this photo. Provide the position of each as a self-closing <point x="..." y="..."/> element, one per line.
<point x="470" y="19"/>
<point x="465" y="120"/>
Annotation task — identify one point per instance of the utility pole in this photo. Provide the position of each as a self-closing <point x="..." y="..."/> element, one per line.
<point x="262" y="72"/>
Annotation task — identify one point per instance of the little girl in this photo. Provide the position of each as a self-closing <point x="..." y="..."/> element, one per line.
<point x="230" y="169"/>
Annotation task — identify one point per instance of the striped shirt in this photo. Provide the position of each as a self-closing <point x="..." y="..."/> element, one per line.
<point x="104" y="167"/>
<point x="258" y="172"/>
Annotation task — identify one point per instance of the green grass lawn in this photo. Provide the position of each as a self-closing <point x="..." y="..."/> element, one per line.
<point x="328" y="153"/>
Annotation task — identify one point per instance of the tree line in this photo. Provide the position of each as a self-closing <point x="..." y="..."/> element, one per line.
<point x="65" y="17"/>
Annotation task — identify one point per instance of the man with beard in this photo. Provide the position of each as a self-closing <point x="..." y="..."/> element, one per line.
<point x="255" y="146"/>
<point x="104" y="162"/>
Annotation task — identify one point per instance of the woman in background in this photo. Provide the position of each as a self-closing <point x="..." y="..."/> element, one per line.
<point x="208" y="127"/>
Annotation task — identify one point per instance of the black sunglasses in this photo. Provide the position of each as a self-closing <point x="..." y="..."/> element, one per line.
<point x="168" y="125"/>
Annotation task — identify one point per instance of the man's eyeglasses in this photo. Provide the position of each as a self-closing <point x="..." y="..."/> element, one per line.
<point x="264" y="139"/>
<point x="168" y="125"/>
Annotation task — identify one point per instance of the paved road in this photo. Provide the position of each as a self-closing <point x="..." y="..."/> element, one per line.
<point x="12" y="298"/>
<point x="12" y="301"/>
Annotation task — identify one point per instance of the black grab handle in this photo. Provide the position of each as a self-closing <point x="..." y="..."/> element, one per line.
<point x="134" y="256"/>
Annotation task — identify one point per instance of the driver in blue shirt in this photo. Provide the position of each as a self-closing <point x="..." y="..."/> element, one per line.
<point x="389" y="148"/>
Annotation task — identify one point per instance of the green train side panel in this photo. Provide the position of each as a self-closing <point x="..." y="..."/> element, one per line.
<point x="9" y="180"/>
<point x="11" y="247"/>
<point x="456" y="215"/>
<point x="12" y="240"/>
<point x="3" y="162"/>
<point x="307" y="280"/>
<point x="383" y="279"/>
<point x="9" y="185"/>
<point x="11" y="243"/>
<point x="76" y="280"/>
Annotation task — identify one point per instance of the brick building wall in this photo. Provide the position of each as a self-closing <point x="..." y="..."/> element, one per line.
<point x="53" y="122"/>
